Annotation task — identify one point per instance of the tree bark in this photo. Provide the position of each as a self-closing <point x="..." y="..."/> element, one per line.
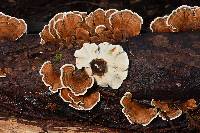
<point x="162" y="66"/>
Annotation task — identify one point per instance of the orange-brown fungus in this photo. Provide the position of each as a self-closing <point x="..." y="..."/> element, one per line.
<point x="2" y="73"/>
<point x="189" y="105"/>
<point x="168" y="112"/>
<point x="135" y="112"/>
<point x="78" y="81"/>
<point x="160" y="25"/>
<point x="85" y="102"/>
<point x="76" y="28"/>
<point x="11" y="28"/>
<point x="184" y="18"/>
<point x="125" y="24"/>
<point x="50" y="77"/>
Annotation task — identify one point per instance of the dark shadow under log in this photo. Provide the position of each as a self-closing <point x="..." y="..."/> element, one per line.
<point x="162" y="66"/>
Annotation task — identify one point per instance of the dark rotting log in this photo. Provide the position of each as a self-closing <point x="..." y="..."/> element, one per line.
<point x="162" y="66"/>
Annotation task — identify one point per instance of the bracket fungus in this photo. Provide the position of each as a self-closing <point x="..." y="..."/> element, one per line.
<point x="184" y="18"/>
<point x="75" y="28"/>
<point x="2" y="73"/>
<point x="11" y="28"/>
<point x="73" y="85"/>
<point x="107" y="63"/>
<point x="83" y="102"/>
<point x="167" y="111"/>
<point x="135" y="112"/>
<point x="78" y="81"/>
<point x="50" y="77"/>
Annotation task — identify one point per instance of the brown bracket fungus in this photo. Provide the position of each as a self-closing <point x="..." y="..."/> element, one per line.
<point x="11" y="28"/>
<point x="107" y="63"/>
<point x="184" y="18"/>
<point x="168" y="112"/>
<point x="125" y="24"/>
<point x="2" y="73"/>
<point x="135" y="112"/>
<point x="188" y="105"/>
<point x="84" y="102"/>
<point x="73" y="85"/>
<point x="50" y="77"/>
<point x="78" y="81"/>
<point x="75" y="28"/>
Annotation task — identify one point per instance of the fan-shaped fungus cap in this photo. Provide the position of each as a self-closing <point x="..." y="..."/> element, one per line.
<point x="96" y="18"/>
<point x="188" y="105"/>
<point x="64" y="28"/>
<point x="160" y="25"/>
<point x="136" y="113"/>
<point x="184" y="18"/>
<point x="78" y="81"/>
<point x="11" y="28"/>
<point x="50" y="77"/>
<point x="125" y="24"/>
<point x="167" y="112"/>
<point x="84" y="102"/>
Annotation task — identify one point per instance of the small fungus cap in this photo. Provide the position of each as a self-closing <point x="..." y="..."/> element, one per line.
<point x="107" y="63"/>
<point x="167" y="111"/>
<point x="125" y="24"/>
<point x="50" y="77"/>
<point x="78" y="81"/>
<point x="136" y="113"/>
<point x="11" y="28"/>
<point x="83" y="102"/>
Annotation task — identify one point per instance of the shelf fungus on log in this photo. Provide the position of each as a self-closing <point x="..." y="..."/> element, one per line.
<point x="73" y="85"/>
<point x="2" y="73"/>
<point x="184" y="18"/>
<point x="75" y="28"/>
<point x="168" y="111"/>
<point x="50" y="77"/>
<point x="135" y="112"/>
<point x="83" y="102"/>
<point x="78" y="81"/>
<point x="11" y="28"/>
<point x="107" y="63"/>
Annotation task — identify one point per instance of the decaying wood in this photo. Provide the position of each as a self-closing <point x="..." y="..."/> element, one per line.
<point x="162" y="66"/>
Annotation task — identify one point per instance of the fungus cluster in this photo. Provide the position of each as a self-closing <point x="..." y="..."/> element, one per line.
<point x="76" y="28"/>
<point x="140" y="114"/>
<point x="11" y="28"/>
<point x="71" y="84"/>
<point x="184" y="18"/>
<point x="105" y="63"/>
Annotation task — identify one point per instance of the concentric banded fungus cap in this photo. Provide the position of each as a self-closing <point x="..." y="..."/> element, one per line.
<point x="78" y="81"/>
<point x="107" y="63"/>
<point x="184" y="18"/>
<point x="136" y="113"/>
<point x="50" y="77"/>
<point x="65" y="28"/>
<point x="11" y="28"/>
<point x="160" y="25"/>
<point x="125" y="24"/>
<point x="167" y="112"/>
<point x="84" y="102"/>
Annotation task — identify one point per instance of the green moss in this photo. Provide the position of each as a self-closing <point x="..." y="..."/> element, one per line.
<point x="58" y="57"/>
